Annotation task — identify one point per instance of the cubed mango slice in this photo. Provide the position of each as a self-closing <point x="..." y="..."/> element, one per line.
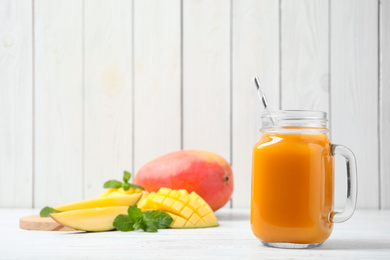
<point x="187" y="210"/>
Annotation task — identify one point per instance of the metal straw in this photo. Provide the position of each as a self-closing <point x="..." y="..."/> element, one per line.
<point x="262" y="97"/>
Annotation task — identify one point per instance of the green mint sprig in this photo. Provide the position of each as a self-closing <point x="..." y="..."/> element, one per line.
<point x="45" y="212"/>
<point x="118" y="184"/>
<point x="149" y="221"/>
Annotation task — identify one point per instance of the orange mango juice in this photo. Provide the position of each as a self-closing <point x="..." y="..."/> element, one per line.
<point x="292" y="188"/>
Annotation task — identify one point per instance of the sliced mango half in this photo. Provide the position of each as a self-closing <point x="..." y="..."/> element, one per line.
<point x="120" y="200"/>
<point x="111" y="192"/>
<point x="187" y="210"/>
<point x="96" y="219"/>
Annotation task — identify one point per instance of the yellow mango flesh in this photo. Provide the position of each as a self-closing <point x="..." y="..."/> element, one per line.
<point x="106" y="192"/>
<point x="96" y="219"/>
<point x="187" y="210"/>
<point x="119" y="200"/>
<point x="119" y="191"/>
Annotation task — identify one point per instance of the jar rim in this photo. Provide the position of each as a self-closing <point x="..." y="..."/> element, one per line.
<point x="294" y="121"/>
<point x="295" y="114"/>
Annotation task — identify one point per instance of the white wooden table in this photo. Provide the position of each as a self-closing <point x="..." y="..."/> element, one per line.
<point x="365" y="236"/>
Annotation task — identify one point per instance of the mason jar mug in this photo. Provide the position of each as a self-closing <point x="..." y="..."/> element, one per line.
<point x="293" y="180"/>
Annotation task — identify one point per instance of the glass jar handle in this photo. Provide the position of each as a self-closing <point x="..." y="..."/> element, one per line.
<point x="338" y="217"/>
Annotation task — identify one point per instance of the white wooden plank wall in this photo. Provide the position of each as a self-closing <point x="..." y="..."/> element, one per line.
<point x="384" y="94"/>
<point x="91" y="88"/>
<point x="304" y="54"/>
<point x="255" y="51"/>
<point x="354" y="89"/>
<point x="16" y="104"/>
<point x="108" y="93"/>
<point x="58" y="102"/>
<point x="157" y="79"/>
<point x="206" y="76"/>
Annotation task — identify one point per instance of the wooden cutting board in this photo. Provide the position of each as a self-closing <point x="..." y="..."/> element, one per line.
<point x="35" y="222"/>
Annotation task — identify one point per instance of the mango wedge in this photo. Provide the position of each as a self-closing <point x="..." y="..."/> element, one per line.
<point x="96" y="219"/>
<point x="119" y="191"/>
<point x="120" y="200"/>
<point x="187" y="210"/>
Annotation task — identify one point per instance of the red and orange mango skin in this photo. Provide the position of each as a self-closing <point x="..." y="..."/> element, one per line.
<point x="203" y="172"/>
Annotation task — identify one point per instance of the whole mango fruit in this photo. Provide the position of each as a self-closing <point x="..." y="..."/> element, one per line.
<point x="206" y="173"/>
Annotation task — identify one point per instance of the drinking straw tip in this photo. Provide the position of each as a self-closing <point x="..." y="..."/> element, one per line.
<point x="257" y="82"/>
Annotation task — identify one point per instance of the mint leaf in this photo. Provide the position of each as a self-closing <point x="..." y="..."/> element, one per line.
<point x="149" y="221"/>
<point x="123" y="223"/>
<point x="112" y="184"/>
<point x="156" y="219"/>
<point x="136" y="186"/>
<point x="46" y="211"/>
<point x="135" y="214"/>
<point x="150" y="228"/>
<point x="139" y="225"/>
<point x="126" y="176"/>
<point x="126" y="186"/>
